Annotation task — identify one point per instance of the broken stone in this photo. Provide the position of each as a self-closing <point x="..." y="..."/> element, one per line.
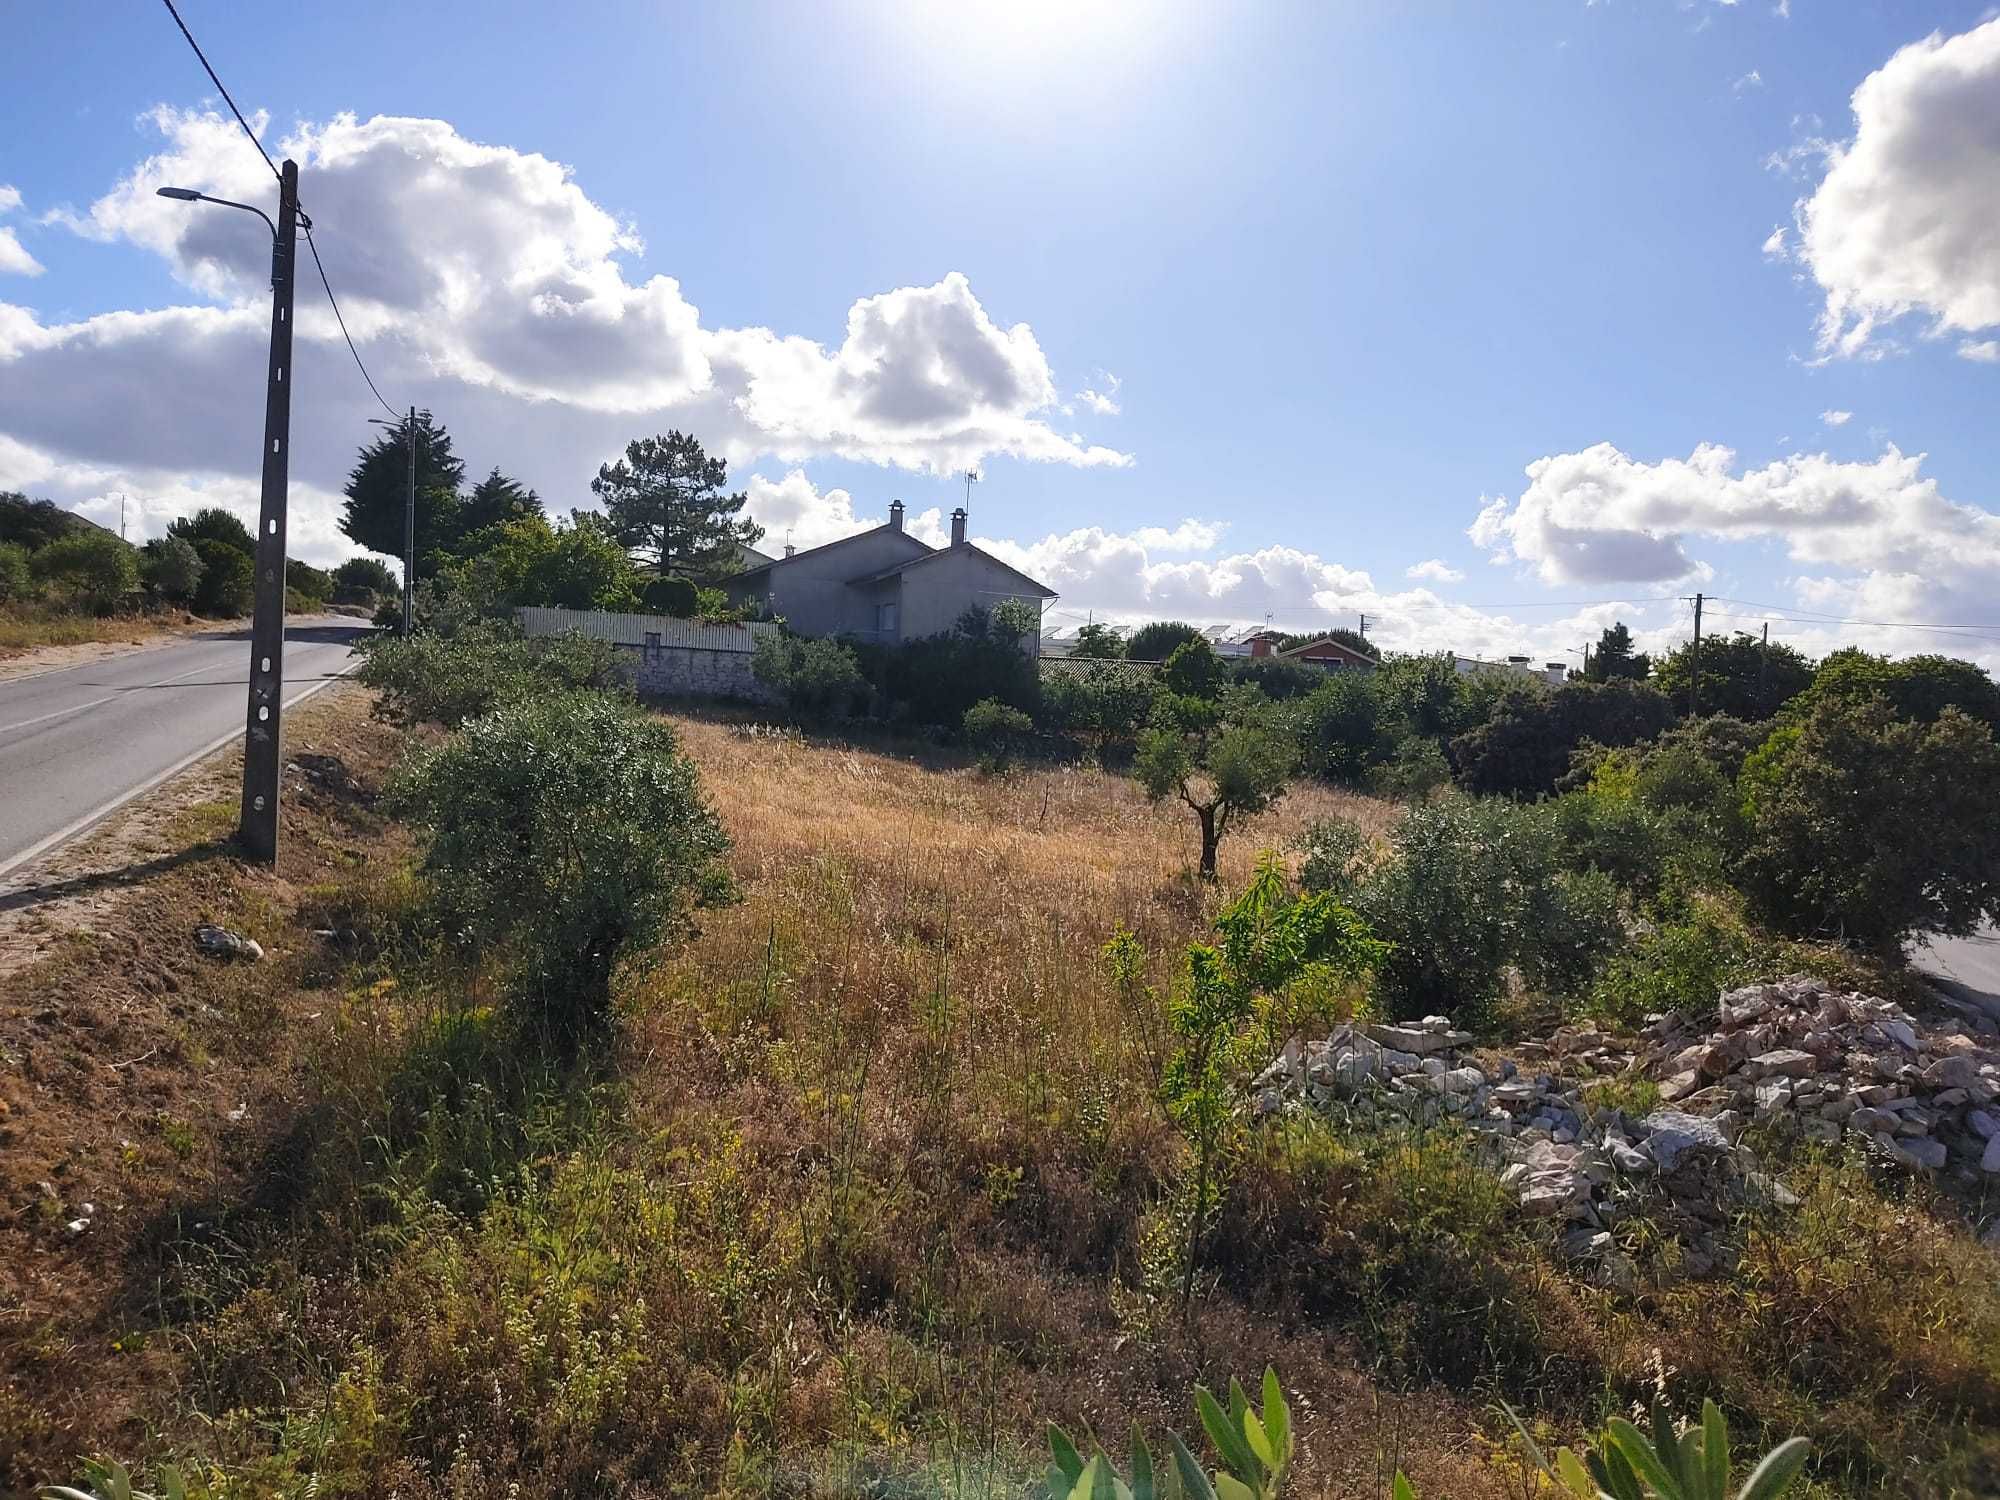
<point x="1672" y="1135"/>
<point x="220" y="942"/>
<point x="1990" y="1162"/>
<point x="1417" y="1039"/>
<point x="1785" y="1063"/>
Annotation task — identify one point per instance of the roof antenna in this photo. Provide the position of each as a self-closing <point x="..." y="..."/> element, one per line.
<point x="971" y="477"/>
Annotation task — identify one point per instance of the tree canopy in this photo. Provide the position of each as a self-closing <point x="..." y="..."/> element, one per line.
<point x="665" y="502"/>
<point x="1613" y="657"/>
<point x="1099" y="643"/>
<point x="1155" y="641"/>
<point x="1736" y="677"/>
<point x="214" y="524"/>
<point x="378" y="493"/>
<point x="495" y="500"/>
<point x="35" y="523"/>
<point x="1917" y="687"/>
<point x="1222" y="769"/>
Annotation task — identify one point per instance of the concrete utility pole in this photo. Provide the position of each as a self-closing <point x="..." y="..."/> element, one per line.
<point x="263" y="738"/>
<point x="1764" y="668"/>
<point x="1694" y="691"/>
<point x="410" y="530"/>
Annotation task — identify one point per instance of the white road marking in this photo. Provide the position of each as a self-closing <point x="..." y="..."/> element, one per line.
<point x="74" y="708"/>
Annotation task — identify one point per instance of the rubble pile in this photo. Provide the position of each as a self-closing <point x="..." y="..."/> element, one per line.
<point x="1834" y="1066"/>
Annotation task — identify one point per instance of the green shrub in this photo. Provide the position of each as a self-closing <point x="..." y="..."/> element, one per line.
<point x="816" y="678"/>
<point x="447" y="680"/>
<point x="1340" y="727"/>
<point x="1524" y="749"/>
<point x="93" y="569"/>
<point x="228" y="584"/>
<point x="1193" y="670"/>
<point x="992" y="728"/>
<point x="171" y="568"/>
<point x="1335" y="851"/>
<point x="1107" y="706"/>
<point x="16" y="581"/>
<point x="1416" y="768"/>
<point x="1156" y="640"/>
<point x="566" y="834"/>
<point x="362" y="580"/>
<point x="315" y="585"/>
<point x="1472" y="887"/>
<point x="1869" y="829"/>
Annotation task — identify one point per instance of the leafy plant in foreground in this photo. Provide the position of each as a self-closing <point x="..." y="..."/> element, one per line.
<point x="1255" y="1447"/>
<point x="1629" y="1464"/>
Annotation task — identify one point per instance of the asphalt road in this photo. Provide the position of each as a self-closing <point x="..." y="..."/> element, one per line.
<point x="76" y="742"/>
<point x="1968" y="967"/>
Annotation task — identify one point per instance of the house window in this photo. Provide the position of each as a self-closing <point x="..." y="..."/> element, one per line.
<point x="885" y="618"/>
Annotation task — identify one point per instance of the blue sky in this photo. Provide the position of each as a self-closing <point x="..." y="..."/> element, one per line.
<point x="1344" y="271"/>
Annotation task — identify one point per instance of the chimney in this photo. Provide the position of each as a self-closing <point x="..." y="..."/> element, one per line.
<point x="1260" y="644"/>
<point x="895" y="515"/>
<point x="958" y="527"/>
<point x="789" y="549"/>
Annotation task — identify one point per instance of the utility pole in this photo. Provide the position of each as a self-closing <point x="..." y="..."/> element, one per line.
<point x="1364" y="628"/>
<point x="263" y="745"/>
<point x="410" y="530"/>
<point x="1764" y="669"/>
<point x="1694" y="691"/>
<point x="121" y="516"/>
<point x="1586" y="661"/>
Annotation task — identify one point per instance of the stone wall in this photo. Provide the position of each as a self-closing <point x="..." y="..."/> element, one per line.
<point x="693" y="672"/>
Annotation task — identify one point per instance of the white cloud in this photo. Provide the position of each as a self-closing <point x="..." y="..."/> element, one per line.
<point x="14" y="257"/>
<point x="1833" y="418"/>
<point x="1782" y="10"/>
<point x="1774" y="243"/>
<point x="1118" y="577"/>
<point x="483" y="283"/>
<point x="1190" y="536"/>
<point x="1905" y="220"/>
<point x="1600" y="516"/>
<point x="1104" y="403"/>
<point x="1436" y="570"/>
<point x="792" y="510"/>
<point x="1750" y="80"/>
<point x="1986" y="351"/>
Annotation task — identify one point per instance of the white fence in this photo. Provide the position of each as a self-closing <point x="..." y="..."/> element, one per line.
<point x="634" y="630"/>
<point x="673" y="657"/>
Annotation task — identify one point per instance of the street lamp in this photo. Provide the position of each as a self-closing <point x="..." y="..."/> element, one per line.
<point x="409" y="515"/>
<point x="263" y="757"/>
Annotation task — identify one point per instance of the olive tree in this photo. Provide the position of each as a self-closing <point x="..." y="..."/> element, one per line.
<point x="566" y="834"/>
<point x="1222" y="769"/>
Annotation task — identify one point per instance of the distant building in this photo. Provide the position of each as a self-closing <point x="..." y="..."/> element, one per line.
<point x="1554" y="673"/>
<point x="1326" y="654"/>
<point x="883" y="585"/>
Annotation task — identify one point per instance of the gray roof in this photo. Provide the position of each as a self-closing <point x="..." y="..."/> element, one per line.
<point x="765" y="567"/>
<point x="980" y="552"/>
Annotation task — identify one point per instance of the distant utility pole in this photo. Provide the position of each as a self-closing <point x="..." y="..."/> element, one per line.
<point x="1364" y="627"/>
<point x="410" y="530"/>
<point x="1764" y="667"/>
<point x="121" y="516"/>
<point x="1694" y="691"/>
<point x="1586" y="661"/>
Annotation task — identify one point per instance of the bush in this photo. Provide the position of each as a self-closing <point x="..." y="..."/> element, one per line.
<point x="214" y="524"/>
<point x="1193" y="670"/>
<point x="449" y="679"/>
<point x="16" y="581"/>
<point x="992" y="727"/>
<point x="1416" y="769"/>
<point x="1335" y="851"/>
<point x="1524" y="749"/>
<point x="1280" y="681"/>
<point x="1339" y="728"/>
<point x="228" y="585"/>
<point x="935" y="679"/>
<point x="171" y="568"/>
<point x="313" y="585"/>
<point x="816" y="678"/>
<point x="93" y="569"/>
<point x="1870" y="829"/>
<point x="1472" y="887"/>
<point x="569" y="834"/>
<point x="362" y="580"/>
<point x="1156" y="641"/>
<point x="1106" y="705"/>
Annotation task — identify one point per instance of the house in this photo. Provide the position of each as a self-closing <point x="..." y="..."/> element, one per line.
<point x="884" y="585"/>
<point x="1326" y="654"/>
<point x="1553" y="673"/>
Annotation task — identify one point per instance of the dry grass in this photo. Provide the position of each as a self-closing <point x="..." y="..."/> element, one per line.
<point x="862" y="1197"/>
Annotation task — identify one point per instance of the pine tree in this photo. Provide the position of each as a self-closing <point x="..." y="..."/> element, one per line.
<point x="1614" y="657"/>
<point x="496" y="499"/>
<point x="665" y="502"/>
<point x="378" y="490"/>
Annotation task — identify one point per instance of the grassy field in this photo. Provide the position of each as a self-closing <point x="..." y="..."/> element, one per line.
<point x="874" y="1182"/>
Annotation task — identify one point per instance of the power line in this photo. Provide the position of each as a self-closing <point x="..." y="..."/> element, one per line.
<point x="305" y="222"/>
<point x="335" y="304"/>
<point x="1801" y="616"/>
<point x="220" y="89"/>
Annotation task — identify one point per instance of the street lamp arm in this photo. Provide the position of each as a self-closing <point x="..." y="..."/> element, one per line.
<point x="189" y="195"/>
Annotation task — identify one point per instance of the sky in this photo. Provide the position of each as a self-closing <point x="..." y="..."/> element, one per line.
<point x="1491" y="324"/>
